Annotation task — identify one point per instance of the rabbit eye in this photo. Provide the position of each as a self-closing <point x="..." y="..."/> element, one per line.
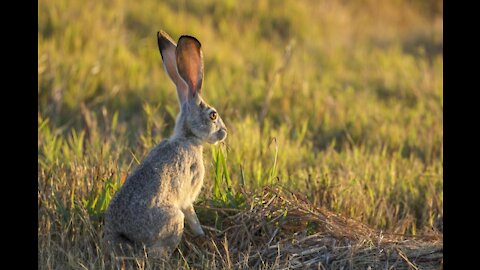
<point x="213" y="115"/>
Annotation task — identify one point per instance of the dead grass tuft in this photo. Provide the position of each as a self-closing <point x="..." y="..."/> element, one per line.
<point x="280" y="229"/>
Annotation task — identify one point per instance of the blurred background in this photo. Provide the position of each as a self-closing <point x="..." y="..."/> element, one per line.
<point x="339" y="100"/>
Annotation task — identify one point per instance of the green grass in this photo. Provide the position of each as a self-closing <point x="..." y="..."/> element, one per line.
<point x="339" y="100"/>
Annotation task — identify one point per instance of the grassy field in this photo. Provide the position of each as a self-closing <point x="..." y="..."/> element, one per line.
<point x="337" y="102"/>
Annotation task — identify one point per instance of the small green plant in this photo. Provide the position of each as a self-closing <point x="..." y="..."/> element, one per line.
<point x="97" y="201"/>
<point x="224" y="193"/>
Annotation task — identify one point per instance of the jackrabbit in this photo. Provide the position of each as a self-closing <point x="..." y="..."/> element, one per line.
<point x="149" y="209"/>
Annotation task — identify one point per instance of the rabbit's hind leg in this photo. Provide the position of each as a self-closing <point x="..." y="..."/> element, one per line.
<point x="169" y="232"/>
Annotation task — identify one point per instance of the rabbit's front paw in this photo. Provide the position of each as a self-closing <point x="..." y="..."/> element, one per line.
<point x="198" y="231"/>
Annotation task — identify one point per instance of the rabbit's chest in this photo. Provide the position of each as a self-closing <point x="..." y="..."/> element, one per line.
<point x="196" y="173"/>
<point x="191" y="182"/>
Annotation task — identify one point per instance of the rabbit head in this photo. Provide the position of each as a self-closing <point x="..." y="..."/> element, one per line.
<point x="183" y="62"/>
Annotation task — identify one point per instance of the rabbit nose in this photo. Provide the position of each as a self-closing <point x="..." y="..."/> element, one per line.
<point x="222" y="133"/>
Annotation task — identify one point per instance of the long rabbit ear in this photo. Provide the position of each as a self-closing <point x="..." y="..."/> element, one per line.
<point x="190" y="63"/>
<point x="167" y="49"/>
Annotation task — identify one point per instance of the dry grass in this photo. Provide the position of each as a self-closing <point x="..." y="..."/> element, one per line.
<point x="277" y="230"/>
<point x="281" y="230"/>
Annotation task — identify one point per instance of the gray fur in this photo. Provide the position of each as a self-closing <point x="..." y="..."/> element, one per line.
<point x="150" y="208"/>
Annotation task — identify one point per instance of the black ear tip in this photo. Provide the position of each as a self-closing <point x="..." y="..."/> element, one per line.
<point x="164" y="40"/>
<point x="161" y="36"/>
<point x="188" y="38"/>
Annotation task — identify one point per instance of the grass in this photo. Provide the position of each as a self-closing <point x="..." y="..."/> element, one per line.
<point x="339" y="101"/>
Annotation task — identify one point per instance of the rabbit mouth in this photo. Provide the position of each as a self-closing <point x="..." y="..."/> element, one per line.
<point x="218" y="136"/>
